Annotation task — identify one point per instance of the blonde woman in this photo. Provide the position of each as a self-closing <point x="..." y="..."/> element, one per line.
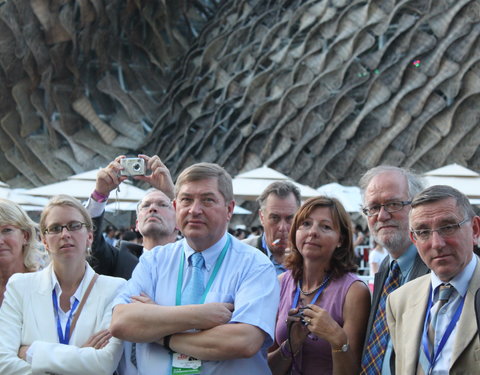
<point x="55" y="320"/>
<point x="19" y="248"/>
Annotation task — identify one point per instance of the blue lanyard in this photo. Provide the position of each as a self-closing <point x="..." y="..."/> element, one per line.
<point x="178" y="299"/>
<point x="297" y="294"/>
<point x="433" y="357"/>
<point x="64" y="339"/>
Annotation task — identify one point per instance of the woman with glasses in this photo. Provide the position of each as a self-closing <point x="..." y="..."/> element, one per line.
<point x="324" y="307"/>
<point x="56" y="320"/>
<point x="19" y="248"/>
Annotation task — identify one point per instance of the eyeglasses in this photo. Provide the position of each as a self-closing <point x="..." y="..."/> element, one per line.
<point x="389" y="207"/>
<point x="74" y="226"/>
<point x="446" y="231"/>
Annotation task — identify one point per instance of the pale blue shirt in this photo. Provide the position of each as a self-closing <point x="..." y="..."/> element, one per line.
<point x="405" y="262"/>
<point x="445" y="314"/>
<point x="246" y="278"/>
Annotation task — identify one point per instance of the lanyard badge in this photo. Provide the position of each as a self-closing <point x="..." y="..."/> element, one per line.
<point x="183" y="364"/>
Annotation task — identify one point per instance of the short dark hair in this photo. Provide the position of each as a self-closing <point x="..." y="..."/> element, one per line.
<point x="343" y="257"/>
<point x="281" y="189"/>
<point x="440" y="192"/>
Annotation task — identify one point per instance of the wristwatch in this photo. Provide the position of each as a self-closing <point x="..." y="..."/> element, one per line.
<point x="343" y="349"/>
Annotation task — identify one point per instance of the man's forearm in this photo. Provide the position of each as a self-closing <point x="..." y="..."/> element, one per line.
<point x="228" y="341"/>
<point x="139" y="322"/>
<point x="148" y="322"/>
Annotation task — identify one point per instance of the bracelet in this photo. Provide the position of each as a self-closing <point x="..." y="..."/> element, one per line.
<point x="99" y="197"/>
<point x="166" y="343"/>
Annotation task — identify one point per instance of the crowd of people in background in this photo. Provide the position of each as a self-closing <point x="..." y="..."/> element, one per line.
<point x="181" y="292"/>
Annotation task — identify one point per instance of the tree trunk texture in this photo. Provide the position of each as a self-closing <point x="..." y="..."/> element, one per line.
<point x="319" y="90"/>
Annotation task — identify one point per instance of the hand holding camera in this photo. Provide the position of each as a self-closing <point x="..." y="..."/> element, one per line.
<point x="300" y="314"/>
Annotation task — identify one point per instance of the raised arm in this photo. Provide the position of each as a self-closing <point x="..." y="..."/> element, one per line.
<point x="160" y="177"/>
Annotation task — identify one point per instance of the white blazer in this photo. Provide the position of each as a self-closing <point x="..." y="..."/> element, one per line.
<point x="27" y="316"/>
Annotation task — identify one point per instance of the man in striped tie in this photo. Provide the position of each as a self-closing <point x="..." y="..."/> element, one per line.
<point x="432" y="319"/>
<point x="387" y="192"/>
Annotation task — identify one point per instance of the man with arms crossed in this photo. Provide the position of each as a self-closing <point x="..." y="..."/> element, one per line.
<point x="432" y="319"/>
<point x="225" y="322"/>
<point x="278" y="204"/>
<point x="387" y="193"/>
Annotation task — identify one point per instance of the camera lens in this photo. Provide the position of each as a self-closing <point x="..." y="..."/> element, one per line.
<point x="136" y="167"/>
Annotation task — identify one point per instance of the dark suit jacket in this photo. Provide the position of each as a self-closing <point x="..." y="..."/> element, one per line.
<point x="419" y="268"/>
<point x="255" y="242"/>
<point x="110" y="260"/>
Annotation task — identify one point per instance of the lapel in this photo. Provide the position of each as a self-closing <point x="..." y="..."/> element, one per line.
<point x="379" y="281"/>
<point x="414" y="316"/>
<point x="467" y="328"/>
<point x="41" y="316"/>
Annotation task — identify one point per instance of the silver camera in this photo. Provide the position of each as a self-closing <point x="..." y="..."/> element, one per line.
<point x="132" y="167"/>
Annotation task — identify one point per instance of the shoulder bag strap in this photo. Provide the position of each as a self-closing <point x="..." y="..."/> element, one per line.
<point x="84" y="299"/>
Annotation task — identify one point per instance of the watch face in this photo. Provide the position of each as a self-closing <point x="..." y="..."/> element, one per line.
<point x="345" y="348"/>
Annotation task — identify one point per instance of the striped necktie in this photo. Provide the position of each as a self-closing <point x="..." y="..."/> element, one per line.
<point x="444" y="293"/>
<point x="192" y="294"/>
<point x="372" y="361"/>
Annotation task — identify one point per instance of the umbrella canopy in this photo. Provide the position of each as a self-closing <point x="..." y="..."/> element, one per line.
<point x="4" y="190"/>
<point x="131" y="206"/>
<point x="89" y="176"/>
<point x="454" y="175"/>
<point x="250" y="185"/>
<point x="349" y="196"/>
<point x="19" y="196"/>
<point x="81" y="189"/>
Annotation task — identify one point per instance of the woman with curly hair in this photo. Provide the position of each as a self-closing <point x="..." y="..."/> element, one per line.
<point x="324" y="306"/>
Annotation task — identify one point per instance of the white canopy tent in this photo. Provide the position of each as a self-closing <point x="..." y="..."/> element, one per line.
<point x="461" y="178"/>
<point x="132" y="206"/>
<point x="349" y="196"/>
<point x="4" y="190"/>
<point x="250" y="185"/>
<point x="19" y="196"/>
<point x="81" y="186"/>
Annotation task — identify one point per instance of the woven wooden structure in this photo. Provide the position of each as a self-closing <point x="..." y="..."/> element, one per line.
<point x="319" y="90"/>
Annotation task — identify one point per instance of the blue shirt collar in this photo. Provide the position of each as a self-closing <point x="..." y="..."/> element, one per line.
<point x="406" y="260"/>
<point x="210" y="255"/>
<point x="459" y="282"/>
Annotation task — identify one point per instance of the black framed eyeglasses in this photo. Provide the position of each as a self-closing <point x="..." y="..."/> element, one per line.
<point x="444" y="232"/>
<point x="74" y="226"/>
<point x="389" y="207"/>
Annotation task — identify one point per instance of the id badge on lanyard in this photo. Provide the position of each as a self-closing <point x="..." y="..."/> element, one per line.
<point x="183" y="364"/>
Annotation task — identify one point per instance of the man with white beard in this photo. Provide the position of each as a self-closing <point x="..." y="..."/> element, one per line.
<point x="387" y="193"/>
